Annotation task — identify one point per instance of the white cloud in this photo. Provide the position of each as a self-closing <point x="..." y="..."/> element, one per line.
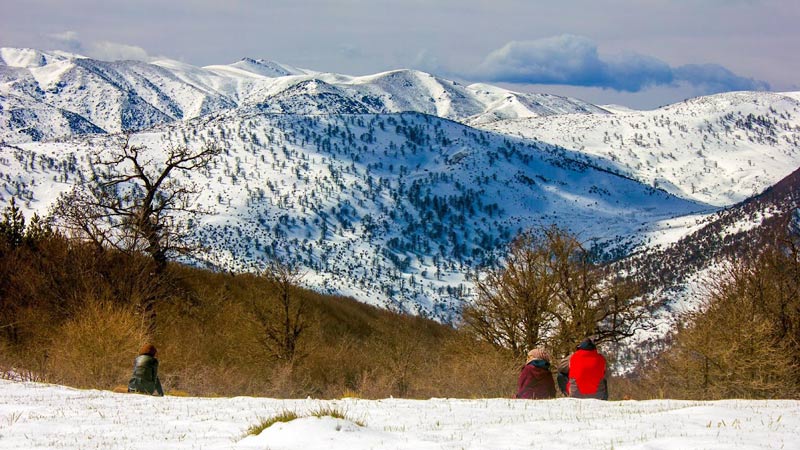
<point x="104" y="50"/>
<point x="575" y="61"/>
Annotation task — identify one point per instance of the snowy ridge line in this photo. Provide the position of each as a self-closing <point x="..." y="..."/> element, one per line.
<point x="718" y="149"/>
<point x="751" y="124"/>
<point x="110" y="94"/>
<point x="394" y="205"/>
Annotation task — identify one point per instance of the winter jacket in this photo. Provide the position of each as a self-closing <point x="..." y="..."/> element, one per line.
<point x="536" y="381"/>
<point x="582" y="375"/>
<point x="145" y="376"/>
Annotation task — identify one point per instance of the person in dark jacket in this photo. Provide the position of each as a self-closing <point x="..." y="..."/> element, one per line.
<point x="535" y="380"/>
<point x="145" y="372"/>
<point x="583" y="373"/>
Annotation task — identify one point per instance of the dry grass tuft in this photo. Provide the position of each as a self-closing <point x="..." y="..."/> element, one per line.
<point x="263" y="424"/>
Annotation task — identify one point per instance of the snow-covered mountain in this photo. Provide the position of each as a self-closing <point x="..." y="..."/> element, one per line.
<point x="133" y="95"/>
<point x="32" y="120"/>
<point x="392" y="187"/>
<point x="719" y="149"/>
<point x="393" y="209"/>
<point x="678" y="272"/>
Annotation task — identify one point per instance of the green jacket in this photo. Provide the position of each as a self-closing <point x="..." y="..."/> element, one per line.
<point x="145" y="376"/>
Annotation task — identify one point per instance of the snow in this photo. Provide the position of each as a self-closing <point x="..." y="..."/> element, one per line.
<point x="276" y="184"/>
<point x="795" y="95"/>
<point x="618" y="109"/>
<point x="28" y="57"/>
<point x="180" y="91"/>
<point x="42" y="416"/>
<point x="669" y="231"/>
<point x="718" y="149"/>
<point x="48" y="76"/>
<point x="285" y="174"/>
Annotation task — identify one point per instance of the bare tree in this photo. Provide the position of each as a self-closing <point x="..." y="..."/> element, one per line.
<point x="549" y="292"/>
<point x="134" y="204"/>
<point x="514" y="303"/>
<point x="281" y="314"/>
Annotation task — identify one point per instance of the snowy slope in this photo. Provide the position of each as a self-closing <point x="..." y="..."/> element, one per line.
<point x="257" y="68"/>
<point x="685" y="256"/>
<point x="502" y="104"/>
<point x="719" y="149"/>
<point x="391" y="209"/>
<point x="23" y="119"/>
<point x="40" y="416"/>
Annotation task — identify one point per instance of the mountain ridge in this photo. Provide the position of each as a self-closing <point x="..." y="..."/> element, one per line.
<point x="165" y="91"/>
<point x="392" y="187"/>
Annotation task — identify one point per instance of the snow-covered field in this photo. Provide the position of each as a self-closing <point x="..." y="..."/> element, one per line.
<point x="39" y="416"/>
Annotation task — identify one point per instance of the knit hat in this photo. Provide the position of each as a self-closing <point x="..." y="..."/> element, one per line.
<point x="587" y="344"/>
<point x="148" y="349"/>
<point x="537" y="353"/>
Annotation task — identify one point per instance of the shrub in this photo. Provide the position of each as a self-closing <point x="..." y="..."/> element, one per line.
<point x="743" y="342"/>
<point x="96" y="347"/>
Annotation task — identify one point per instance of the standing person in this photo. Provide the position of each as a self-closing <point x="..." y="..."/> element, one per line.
<point x="583" y="373"/>
<point x="535" y="380"/>
<point x="145" y="372"/>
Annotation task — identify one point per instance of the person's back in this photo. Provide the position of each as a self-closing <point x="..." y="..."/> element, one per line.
<point x="586" y="373"/>
<point x="535" y="380"/>
<point x="145" y="372"/>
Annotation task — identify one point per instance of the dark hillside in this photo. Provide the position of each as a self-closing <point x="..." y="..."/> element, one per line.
<point x="769" y="212"/>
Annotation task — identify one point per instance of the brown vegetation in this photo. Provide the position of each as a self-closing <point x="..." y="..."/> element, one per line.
<point x="132" y="204"/>
<point x="69" y="314"/>
<point x="743" y="342"/>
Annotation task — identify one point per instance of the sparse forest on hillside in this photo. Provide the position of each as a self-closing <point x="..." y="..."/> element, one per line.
<point x="390" y="209"/>
<point x="742" y="342"/>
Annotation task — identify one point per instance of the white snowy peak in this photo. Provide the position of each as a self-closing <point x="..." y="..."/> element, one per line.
<point x="133" y="95"/>
<point x="391" y="187"/>
<point x="257" y="68"/>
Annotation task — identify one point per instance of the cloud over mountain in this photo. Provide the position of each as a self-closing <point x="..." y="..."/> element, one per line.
<point x="716" y="78"/>
<point x="103" y="50"/>
<point x="575" y="61"/>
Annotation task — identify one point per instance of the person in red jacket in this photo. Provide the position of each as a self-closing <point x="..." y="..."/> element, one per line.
<point x="535" y="380"/>
<point x="583" y="373"/>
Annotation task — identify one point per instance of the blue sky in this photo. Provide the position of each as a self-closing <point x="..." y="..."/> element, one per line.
<point x="640" y="53"/>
